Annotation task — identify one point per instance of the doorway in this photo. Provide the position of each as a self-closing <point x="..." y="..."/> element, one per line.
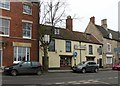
<point x="0" y="57"/>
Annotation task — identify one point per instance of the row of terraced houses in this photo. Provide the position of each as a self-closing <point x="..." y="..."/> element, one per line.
<point x="19" y="33"/>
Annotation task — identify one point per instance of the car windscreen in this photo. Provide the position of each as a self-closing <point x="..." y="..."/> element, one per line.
<point x="81" y="63"/>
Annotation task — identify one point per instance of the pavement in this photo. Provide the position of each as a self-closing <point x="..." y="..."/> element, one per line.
<point x="63" y="71"/>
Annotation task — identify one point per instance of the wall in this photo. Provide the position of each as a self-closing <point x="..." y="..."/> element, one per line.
<point x="54" y="57"/>
<point x="16" y="16"/>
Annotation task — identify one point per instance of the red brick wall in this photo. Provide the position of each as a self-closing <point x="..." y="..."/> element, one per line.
<point x="16" y="15"/>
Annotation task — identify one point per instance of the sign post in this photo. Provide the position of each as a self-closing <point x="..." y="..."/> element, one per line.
<point x="75" y="55"/>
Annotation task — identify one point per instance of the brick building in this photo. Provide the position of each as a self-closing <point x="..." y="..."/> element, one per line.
<point x="18" y="32"/>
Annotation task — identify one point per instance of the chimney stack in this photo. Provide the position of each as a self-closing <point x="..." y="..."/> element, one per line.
<point x="69" y="23"/>
<point x="104" y="23"/>
<point x="92" y="19"/>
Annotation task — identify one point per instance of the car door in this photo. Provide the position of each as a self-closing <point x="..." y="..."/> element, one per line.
<point x="92" y="66"/>
<point x="88" y="66"/>
<point x="35" y="67"/>
<point x="25" y="67"/>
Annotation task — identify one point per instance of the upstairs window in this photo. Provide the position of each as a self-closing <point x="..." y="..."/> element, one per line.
<point x="90" y="49"/>
<point x="5" y="4"/>
<point x="110" y="36"/>
<point x="51" y="46"/>
<point x="27" y="9"/>
<point x="4" y="27"/>
<point x="68" y="46"/>
<point x="57" y="32"/>
<point x="108" y="47"/>
<point x="27" y="30"/>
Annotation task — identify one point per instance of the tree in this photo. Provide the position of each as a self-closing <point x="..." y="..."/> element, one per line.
<point x="51" y="12"/>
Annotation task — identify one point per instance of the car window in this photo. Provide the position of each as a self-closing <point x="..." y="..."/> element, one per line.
<point x="35" y="64"/>
<point x="91" y="63"/>
<point x="26" y="64"/>
<point x="82" y="63"/>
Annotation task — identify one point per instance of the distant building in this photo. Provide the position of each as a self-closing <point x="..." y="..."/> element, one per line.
<point x="68" y="47"/>
<point x="18" y="31"/>
<point x="108" y="37"/>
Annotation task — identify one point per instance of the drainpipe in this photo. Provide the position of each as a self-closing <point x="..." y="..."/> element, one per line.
<point x="80" y="54"/>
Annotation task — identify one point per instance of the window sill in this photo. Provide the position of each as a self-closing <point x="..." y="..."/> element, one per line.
<point x="27" y="37"/>
<point x="5" y="8"/>
<point x="27" y="13"/>
<point x="4" y="35"/>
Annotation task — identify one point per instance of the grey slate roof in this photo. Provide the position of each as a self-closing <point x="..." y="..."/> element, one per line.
<point x="71" y="35"/>
<point x="106" y="33"/>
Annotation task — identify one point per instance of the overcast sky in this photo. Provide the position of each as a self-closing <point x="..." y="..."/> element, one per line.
<point x="100" y="9"/>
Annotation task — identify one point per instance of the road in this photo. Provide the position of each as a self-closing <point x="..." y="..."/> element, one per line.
<point x="109" y="78"/>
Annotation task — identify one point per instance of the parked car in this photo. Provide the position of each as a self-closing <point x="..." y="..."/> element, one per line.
<point x="24" y="67"/>
<point x="116" y="66"/>
<point x="88" y="66"/>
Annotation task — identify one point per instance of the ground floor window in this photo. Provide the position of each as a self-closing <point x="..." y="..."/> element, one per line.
<point x="21" y="53"/>
<point x="109" y="60"/>
<point x="90" y="58"/>
<point x="65" y="61"/>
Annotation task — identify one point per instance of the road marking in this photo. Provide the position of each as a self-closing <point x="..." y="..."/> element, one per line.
<point x="60" y="83"/>
<point x="72" y="82"/>
<point x="91" y="81"/>
<point x="103" y="82"/>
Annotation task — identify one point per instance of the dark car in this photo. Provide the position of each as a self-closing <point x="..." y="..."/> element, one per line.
<point x="116" y="66"/>
<point x="24" y="67"/>
<point x="88" y="66"/>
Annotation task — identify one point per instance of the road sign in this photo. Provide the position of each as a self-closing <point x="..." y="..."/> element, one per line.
<point x="75" y="54"/>
<point x="115" y="49"/>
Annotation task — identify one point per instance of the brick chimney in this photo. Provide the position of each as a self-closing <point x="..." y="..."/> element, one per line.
<point x="92" y="19"/>
<point x="69" y="23"/>
<point x="104" y="23"/>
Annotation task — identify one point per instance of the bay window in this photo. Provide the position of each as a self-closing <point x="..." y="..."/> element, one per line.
<point x="21" y="54"/>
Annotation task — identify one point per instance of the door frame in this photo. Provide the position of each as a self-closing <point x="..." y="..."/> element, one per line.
<point x="1" y="57"/>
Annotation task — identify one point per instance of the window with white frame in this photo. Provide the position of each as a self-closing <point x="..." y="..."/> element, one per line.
<point x="110" y="35"/>
<point x="68" y="46"/>
<point x="108" y="47"/>
<point x="5" y="4"/>
<point x="21" y="54"/>
<point x="90" y="49"/>
<point x="27" y="30"/>
<point x="51" y="46"/>
<point x="109" y="60"/>
<point x="27" y="9"/>
<point x="4" y="27"/>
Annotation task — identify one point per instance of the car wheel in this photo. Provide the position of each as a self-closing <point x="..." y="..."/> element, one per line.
<point x="83" y="70"/>
<point x="96" y="70"/>
<point x="39" y="72"/>
<point x="13" y="72"/>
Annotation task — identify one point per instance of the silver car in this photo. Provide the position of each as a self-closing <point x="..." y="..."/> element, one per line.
<point x="88" y="66"/>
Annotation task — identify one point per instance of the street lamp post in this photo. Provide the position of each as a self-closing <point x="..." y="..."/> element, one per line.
<point x="46" y="40"/>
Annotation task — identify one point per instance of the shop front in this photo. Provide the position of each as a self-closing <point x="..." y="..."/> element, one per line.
<point x="90" y="58"/>
<point x="65" y="62"/>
